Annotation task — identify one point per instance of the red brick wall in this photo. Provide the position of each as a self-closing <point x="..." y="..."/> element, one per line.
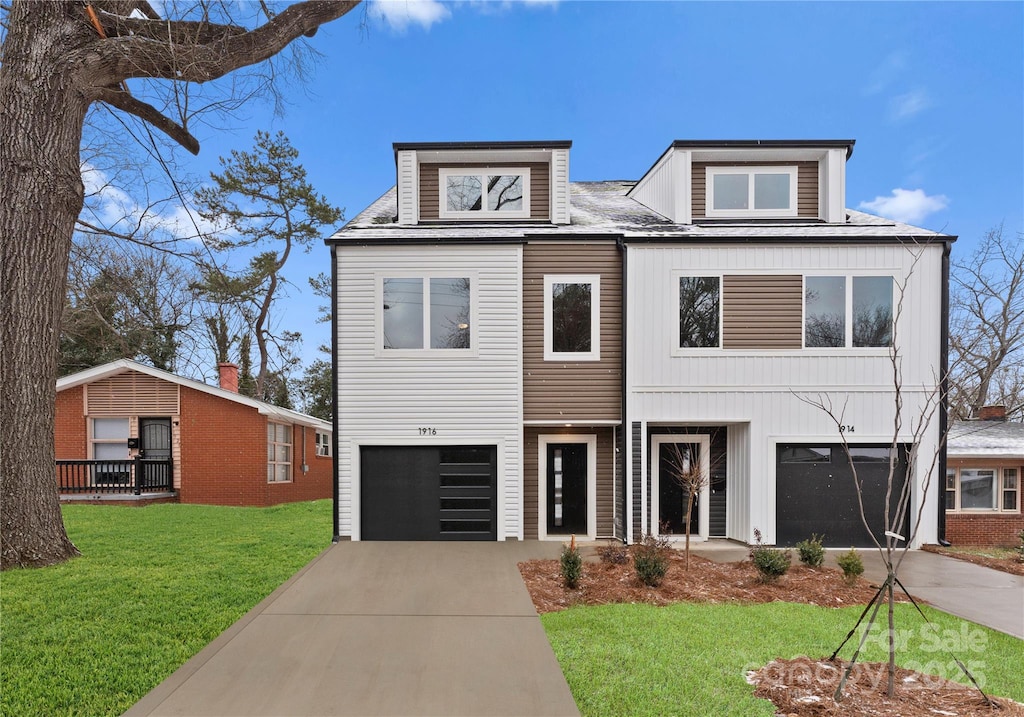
<point x="70" y="431"/>
<point x="224" y="456"/>
<point x="964" y="529"/>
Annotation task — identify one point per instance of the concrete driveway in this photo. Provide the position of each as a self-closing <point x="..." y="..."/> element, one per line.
<point x="382" y="629"/>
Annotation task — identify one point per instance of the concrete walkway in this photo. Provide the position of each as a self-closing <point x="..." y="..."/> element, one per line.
<point x="382" y="629"/>
<point x="988" y="597"/>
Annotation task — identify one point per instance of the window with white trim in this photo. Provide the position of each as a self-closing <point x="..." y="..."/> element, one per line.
<point x="699" y="304"/>
<point x="426" y="313"/>
<point x="983" y="490"/>
<point x="491" y="193"/>
<point x="572" y="317"/>
<point x="279" y="452"/>
<point x="109" y="442"/>
<point x="751" y="192"/>
<point x="323" y="444"/>
<point x="848" y="311"/>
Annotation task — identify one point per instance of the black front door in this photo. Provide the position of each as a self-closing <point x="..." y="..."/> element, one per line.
<point x="155" y="451"/>
<point x="567" y="488"/>
<point x="674" y="459"/>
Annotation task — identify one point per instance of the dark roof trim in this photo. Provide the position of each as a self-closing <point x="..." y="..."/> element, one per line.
<point x="424" y="241"/>
<point x="527" y="144"/>
<point x="785" y="143"/>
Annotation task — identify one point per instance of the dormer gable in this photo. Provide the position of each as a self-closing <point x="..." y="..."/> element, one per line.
<point x="741" y="180"/>
<point x="520" y="182"/>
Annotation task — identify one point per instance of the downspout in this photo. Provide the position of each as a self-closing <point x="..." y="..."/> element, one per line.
<point x="627" y="507"/>
<point x="335" y="437"/>
<point x="943" y="393"/>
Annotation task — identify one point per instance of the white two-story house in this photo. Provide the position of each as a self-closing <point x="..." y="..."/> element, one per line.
<point x="519" y="356"/>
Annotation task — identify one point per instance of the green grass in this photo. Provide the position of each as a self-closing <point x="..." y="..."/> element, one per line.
<point x="154" y="585"/>
<point x="988" y="552"/>
<point x="690" y="659"/>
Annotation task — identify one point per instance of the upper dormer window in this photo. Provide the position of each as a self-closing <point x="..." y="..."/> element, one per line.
<point x="741" y="192"/>
<point x="492" y="193"/>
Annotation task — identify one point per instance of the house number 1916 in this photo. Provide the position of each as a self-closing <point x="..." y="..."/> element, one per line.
<point x="847" y="429"/>
<point x="428" y="431"/>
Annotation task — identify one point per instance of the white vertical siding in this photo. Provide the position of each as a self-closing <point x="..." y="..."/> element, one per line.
<point x="758" y="393"/>
<point x="465" y="398"/>
<point x="560" y="209"/>
<point x="408" y="191"/>
<point x="658" y="190"/>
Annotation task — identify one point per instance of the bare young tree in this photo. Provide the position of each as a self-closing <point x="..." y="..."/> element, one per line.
<point x="58" y="58"/>
<point x="986" y="336"/>
<point x="691" y="477"/>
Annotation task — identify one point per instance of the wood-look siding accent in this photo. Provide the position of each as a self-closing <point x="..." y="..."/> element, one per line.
<point x="806" y="184"/>
<point x="540" y="187"/>
<point x="131" y="394"/>
<point x="605" y="477"/>
<point x="572" y="390"/>
<point x="762" y="312"/>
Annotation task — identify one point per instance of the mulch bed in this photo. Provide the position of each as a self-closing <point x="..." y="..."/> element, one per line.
<point x="1006" y="565"/>
<point x="799" y="688"/>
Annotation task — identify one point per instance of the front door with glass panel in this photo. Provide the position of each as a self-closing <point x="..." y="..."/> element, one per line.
<point x="567" y="489"/>
<point x="155" y="452"/>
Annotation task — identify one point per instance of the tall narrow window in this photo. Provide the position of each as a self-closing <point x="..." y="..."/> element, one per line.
<point x="824" y="311"/>
<point x="1010" y="489"/>
<point x="872" y="310"/>
<point x="700" y="320"/>
<point x="110" y="443"/>
<point x="279" y="453"/>
<point x="572" y="317"/>
<point x="421" y="313"/>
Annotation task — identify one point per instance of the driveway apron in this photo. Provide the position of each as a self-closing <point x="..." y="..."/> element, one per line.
<point x="382" y="629"/>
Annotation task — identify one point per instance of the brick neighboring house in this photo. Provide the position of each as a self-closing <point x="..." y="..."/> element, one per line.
<point x="985" y="460"/>
<point x="125" y="430"/>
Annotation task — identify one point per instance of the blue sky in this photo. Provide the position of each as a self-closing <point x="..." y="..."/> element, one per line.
<point x="933" y="93"/>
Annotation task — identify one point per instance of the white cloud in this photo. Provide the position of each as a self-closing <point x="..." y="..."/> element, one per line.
<point x="399" y="14"/>
<point x="906" y="205"/>
<point x="907" y="105"/>
<point x="891" y="67"/>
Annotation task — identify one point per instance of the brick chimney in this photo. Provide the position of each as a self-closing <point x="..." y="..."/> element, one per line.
<point x="992" y="413"/>
<point x="228" y="376"/>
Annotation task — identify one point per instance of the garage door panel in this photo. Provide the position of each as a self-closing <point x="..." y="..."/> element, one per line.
<point x="816" y="493"/>
<point x="429" y="492"/>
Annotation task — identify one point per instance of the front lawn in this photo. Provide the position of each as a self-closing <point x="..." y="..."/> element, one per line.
<point x="154" y="585"/>
<point x="691" y="658"/>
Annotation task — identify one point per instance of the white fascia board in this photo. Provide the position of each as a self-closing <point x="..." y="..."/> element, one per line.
<point x="832" y="187"/>
<point x="408" y="187"/>
<point x="682" y="163"/>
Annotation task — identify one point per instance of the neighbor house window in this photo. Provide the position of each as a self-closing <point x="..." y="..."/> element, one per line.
<point x="983" y="489"/>
<point x="700" y="312"/>
<point x="426" y="313"/>
<point x="572" y="308"/>
<point x="279" y="452"/>
<point x="751" y="192"/>
<point x="323" y="444"/>
<point x="484" y="193"/>
<point x="848" y="311"/>
<point x="110" y="443"/>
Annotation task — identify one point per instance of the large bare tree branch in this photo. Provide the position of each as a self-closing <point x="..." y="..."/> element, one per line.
<point x="124" y="101"/>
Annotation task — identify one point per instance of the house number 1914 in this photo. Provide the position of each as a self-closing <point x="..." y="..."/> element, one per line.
<point x="428" y="431"/>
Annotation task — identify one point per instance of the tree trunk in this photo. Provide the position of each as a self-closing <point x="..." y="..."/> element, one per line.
<point x="41" y="115"/>
<point x="689" y="510"/>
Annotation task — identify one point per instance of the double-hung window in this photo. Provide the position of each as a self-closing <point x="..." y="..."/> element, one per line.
<point x="323" y="444"/>
<point x="983" y="489"/>
<point x="426" y="313"/>
<point x="572" y="317"/>
<point x="490" y="193"/>
<point x="279" y="453"/>
<point x="848" y="311"/>
<point x="751" y="192"/>
<point x="699" y="303"/>
<point x="110" y="443"/>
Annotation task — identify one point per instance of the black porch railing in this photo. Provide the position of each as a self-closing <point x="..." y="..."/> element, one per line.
<point x="141" y="475"/>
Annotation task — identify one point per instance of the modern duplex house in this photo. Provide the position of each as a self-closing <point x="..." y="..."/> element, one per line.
<point x="519" y="356"/>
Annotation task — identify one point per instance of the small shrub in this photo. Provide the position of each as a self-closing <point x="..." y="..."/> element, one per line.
<point x="851" y="565"/>
<point x="571" y="564"/>
<point x="771" y="563"/>
<point x="812" y="553"/>
<point x="650" y="560"/>
<point x="614" y="553"/>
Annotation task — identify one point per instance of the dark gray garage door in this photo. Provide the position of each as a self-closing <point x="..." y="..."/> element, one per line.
<point x="816" y="493"/>
<point x="429" y="492"/>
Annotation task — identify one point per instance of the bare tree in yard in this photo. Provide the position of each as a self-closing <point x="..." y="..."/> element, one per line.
<point x="59" y="57"/>
<point x="688" y="474"/>
<point x="986" y="336"/>
<point x="912" y="427"/>
<point x="264" y="201"/>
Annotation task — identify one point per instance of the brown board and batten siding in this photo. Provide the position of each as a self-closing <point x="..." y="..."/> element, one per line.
<point x="605" y="476"/>
<point x="540" y="187"/>
<point x="572" y="390"/>
<point x="806" y="184"/>
<point x="762" y="312"/>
